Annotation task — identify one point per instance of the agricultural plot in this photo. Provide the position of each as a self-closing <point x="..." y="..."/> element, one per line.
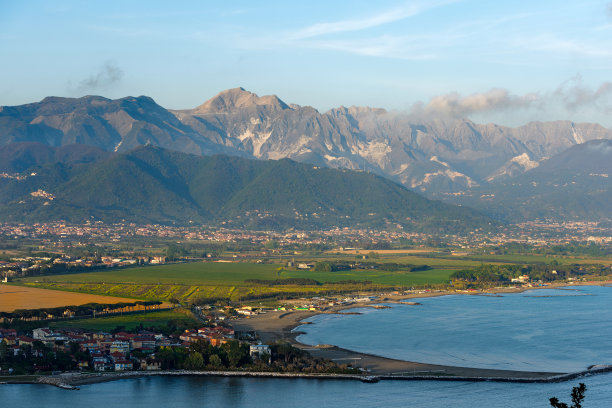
<point x="398" y="278"/>
<point x="192" y="281"/>
<point x="20" y="297"/>
<point x="189" y="282"/>
<point x="194" y="273"/>
<point x="131" y="321"/>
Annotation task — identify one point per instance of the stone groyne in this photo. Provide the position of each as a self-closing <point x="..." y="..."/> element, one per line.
<point x="71" y="381"/>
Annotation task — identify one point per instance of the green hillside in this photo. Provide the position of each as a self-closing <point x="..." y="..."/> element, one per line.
<point x="150" y="184"/>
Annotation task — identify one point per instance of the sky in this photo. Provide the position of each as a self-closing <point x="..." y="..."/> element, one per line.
<point x="490" y="61"/>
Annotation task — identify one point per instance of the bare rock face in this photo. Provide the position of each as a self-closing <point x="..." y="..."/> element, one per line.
<point x="432" y="155"/>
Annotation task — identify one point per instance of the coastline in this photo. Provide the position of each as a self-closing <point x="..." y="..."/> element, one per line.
<point x="279" y="326"/>
<point x="73" y="381"/>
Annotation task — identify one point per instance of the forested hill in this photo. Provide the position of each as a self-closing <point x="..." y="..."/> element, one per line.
<point x="151" y="184"/>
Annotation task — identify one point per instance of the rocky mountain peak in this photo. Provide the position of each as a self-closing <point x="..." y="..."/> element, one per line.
<point x="239" y="98"/>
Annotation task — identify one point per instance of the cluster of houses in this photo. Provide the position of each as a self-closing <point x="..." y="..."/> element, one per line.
<point x="115" y="352"/>
<point x="29" y="265"/>
<point x="216" y="336"/>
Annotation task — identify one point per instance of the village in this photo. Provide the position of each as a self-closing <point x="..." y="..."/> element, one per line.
<point x="536" y="232"/>
<point x="103" y="351"/>
<point x="41" y="349"/>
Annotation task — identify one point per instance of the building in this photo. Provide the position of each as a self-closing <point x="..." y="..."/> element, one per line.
<point x="122" y="347"/>
<point x="150" y="364"/>
<point x="259" y="350"/>
<point x="123" y="365"/>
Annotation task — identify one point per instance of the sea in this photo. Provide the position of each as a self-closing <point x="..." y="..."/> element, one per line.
<point x="556" y="330"/>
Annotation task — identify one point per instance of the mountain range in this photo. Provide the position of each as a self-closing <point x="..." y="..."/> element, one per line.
<point x="453" y="159"/>
<point x="155" y="185"/>
<point x="572" y="186"/>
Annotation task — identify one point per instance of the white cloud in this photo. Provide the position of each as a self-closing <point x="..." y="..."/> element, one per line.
<point x="575" y="95"/>
<point x="571" y="95"/>
<point x="453" y="104"/>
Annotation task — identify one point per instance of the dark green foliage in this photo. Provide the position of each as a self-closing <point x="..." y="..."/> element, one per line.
<point x="88" y="309"/>
<point x="577" y="398"/>
<point x="392" y="267"/>
<point x="18" y="157"/>
<point x="40" y="357"/>
<point x="155" y="185"/>
<point x="544" y="272"/>
<point x="285" y="357"/>
<point x="332" y="266"/>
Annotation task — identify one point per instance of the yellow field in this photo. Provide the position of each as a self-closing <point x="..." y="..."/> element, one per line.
<point x="19" y="297"/>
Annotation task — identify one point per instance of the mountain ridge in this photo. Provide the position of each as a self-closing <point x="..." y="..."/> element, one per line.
<point x="571" y="186"/>
<point x="432" y="155"/>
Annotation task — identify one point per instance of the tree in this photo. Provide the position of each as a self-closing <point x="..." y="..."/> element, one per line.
<point x="4" y="351"/>
<point x="215" y="361"/>
<point x="577" y="397"/>
<point x="195" y="361"/>
<point x="237" y="353"/>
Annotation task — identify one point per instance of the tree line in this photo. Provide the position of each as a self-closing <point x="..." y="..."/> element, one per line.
<point x="488" y="273"/>
<point x="233" y="355"/>
<point x="86" y="310"/>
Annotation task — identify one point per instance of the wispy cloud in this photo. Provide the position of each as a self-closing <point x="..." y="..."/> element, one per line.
<point x="320" y="29"/>
<point x="385" y="17"/>
<point x="574" y="95"/>
<point x="496" y="99"/>
<point x="108" y="75"/>
<point x="571" y="95"/>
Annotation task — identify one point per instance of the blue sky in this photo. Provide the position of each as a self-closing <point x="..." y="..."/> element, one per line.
<point x="507" y="62"/>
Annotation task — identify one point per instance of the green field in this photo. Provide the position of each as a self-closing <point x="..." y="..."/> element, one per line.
<point x="399" y="278"/>
<point x="194" y="273"/>
<point x="235" y="274"/>
<point x="189" y="282"/>
<point x="130" y="321"/>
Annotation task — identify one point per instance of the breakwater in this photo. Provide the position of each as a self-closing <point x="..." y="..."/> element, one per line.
<point x="71" y="381"/>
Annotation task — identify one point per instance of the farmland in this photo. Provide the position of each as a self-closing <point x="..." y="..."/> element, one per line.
<point x="191" y="281"/>
<point x="242" y="281"/>
<point x="130" y="321"/>
<point x="19" y="297"/>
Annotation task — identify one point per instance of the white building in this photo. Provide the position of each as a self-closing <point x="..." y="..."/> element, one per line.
<point x="259" y="350"/>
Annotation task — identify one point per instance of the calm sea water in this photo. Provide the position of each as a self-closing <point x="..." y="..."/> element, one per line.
<point x="539" y="330"/>
<point x="515" y="331"/>
<point x="266" y="393"/>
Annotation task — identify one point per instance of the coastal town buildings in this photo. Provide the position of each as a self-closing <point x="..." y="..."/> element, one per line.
<point x="110" y="352"/>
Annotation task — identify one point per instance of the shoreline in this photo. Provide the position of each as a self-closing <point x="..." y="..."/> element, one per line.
<point x="73" y="381"/>
<point x="280" y="327"/>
